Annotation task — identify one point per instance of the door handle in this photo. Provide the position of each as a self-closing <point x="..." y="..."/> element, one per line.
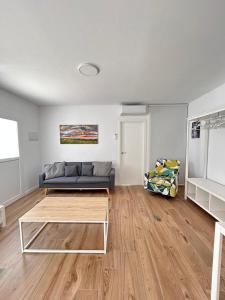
<point x="123" y="152"/>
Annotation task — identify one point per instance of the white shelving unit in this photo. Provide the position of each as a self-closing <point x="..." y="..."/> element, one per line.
<point x="209" y="195"/>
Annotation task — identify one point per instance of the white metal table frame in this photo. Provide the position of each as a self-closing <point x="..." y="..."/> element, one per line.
<point x="25" y="249"/>
<point x="217" y="253"/>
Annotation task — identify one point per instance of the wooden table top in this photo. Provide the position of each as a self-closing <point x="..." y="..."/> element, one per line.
<point x="68" y="209"/>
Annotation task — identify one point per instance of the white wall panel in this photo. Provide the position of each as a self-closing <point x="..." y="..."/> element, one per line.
<point x="27" y="116"/>
<point x="10" y="180"/>
<point x="216" y="155"/>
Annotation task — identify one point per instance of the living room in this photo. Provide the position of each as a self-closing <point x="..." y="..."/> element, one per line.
<point x="112" y="127"/>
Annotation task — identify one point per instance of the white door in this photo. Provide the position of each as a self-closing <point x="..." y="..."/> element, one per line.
<point x="132" y="152"/>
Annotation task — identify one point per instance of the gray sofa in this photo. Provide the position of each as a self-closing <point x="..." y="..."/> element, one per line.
<point x="79" y="181"/>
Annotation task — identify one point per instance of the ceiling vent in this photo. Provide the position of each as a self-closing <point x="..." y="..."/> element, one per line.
<point x="134" y="110"/>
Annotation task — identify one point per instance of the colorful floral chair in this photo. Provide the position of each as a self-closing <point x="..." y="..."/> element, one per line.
<point x="164" y="178"/>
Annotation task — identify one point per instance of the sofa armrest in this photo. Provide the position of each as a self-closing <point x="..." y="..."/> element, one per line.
<point x="112" y="177"/>
<point x="41" y="180"/>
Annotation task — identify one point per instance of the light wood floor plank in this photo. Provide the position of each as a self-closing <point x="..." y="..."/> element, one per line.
<point x="158" y="248"/>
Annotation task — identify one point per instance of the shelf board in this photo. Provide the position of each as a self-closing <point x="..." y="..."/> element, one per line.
<point x="216" y="195"/>
<point x="213" y="188"/>
<point x="219" y="215"/>
<point x="191" y="196"/>
<point x="202" y="204"/>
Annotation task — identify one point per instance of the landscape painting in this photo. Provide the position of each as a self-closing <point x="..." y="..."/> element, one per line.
<point x="78" y="134"/>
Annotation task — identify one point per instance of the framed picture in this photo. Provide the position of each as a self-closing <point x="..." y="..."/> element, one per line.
<point x="195" y="130"/>
<point x="78" y="134"/>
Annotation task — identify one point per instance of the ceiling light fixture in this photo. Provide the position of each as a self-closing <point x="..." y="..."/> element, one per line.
<point x="88" y="69"/>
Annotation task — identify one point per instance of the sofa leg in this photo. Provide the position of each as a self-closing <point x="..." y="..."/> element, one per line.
<point x="46" y="191"/>
<point x="108" y="192"/>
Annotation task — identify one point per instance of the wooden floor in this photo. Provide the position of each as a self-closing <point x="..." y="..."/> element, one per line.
<point x="157" y="249"/>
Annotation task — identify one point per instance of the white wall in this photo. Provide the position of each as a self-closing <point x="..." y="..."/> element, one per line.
<point x="168" y="134"/>
<point x="206" y="104"/>
<point x="27" y="116"/>
<point x="212" y="101"/>
<point x="106" y="116"/>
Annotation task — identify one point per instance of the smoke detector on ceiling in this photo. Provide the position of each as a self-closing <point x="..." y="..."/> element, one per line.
<point x="88" y="69"/>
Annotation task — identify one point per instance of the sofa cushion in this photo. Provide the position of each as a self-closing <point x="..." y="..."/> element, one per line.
<point x="54" y="170"/>
<point x="62" y="180"/>
<point x="77" y="164"/>
<point x="93" y="179"/>
<point x="102" y="168"/>
<point x="71" y="171"/>
<point x="87" y="169"/>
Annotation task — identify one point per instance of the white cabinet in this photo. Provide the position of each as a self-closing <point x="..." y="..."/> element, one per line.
<point x="209" y="195"/>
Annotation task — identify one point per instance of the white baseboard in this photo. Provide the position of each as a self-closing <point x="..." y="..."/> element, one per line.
<point x="17" y="197"/>
<point x="28" y="191"/>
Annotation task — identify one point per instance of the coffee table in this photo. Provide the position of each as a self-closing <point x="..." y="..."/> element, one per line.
<point x="81" y="210"/>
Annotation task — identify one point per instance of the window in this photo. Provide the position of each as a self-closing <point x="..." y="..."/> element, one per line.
<point x="9" y="145"/>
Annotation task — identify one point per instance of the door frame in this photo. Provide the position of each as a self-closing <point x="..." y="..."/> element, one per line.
<point x="145" y="119"/>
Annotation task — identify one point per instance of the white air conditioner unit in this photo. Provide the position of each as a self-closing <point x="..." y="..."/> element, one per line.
<point x="134" y="109"/>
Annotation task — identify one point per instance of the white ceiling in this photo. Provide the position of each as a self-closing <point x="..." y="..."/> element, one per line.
<point x="149" y="51"/>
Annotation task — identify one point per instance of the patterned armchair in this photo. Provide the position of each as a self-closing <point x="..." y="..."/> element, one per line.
<point x="164" y="178"/>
